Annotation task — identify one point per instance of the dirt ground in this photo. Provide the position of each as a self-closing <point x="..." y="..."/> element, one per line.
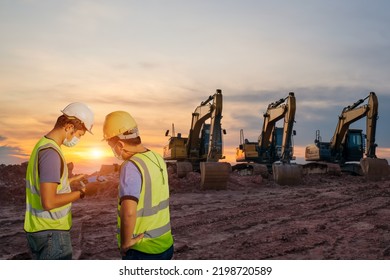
<point x="326" y="217"/>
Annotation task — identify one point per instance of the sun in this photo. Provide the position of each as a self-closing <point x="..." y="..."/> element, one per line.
<point x="96" y="153"/>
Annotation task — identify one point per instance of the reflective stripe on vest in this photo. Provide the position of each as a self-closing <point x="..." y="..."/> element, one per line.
<point x="47" y="214"/>
<point x="148" y="209"/>
<point x="159" y="229"/>
<point x="36" y="218"/>
<point x="157" y="232"/>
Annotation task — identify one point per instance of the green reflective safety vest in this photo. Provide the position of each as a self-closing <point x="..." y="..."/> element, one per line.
<point x="153" y="217"/>
<point x="36" y="218"/>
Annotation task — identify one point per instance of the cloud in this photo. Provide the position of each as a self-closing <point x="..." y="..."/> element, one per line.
<point x="147" y="65"/>
<point x="2" y="138"/>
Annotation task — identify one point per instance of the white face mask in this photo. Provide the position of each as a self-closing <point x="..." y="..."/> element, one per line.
<point x="72" y="142"/>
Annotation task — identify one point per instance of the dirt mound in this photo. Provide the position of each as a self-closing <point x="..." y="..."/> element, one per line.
<point x="13" y="183"/>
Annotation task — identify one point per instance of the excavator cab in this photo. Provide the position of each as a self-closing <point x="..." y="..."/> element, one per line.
<point x="278" y="135"/>
<point x="272" y="152"/>
<point x="278" y="145"/>
<point x="354" y="149"/>
<point x="205" y="141"/>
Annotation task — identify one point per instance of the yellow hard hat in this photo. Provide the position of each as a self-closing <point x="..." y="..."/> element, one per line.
<point x="121" y="124"/>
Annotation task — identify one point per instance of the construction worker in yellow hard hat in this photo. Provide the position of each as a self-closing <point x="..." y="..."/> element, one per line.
<point x="144" y="230"/>
<point x="49" y="197"/>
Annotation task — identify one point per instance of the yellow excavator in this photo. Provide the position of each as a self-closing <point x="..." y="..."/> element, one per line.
<point x="274" y="148"/>
<point x="347" y="146"/>
<point x="203" y="148"/>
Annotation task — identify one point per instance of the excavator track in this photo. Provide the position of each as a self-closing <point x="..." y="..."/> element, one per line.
<point x="214" y="175"/>
<point x="321" y="167"/>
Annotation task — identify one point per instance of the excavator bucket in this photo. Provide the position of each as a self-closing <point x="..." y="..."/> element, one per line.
<point x="214" y="175"/>
<point x="375" y="169"/>
<point x="287" y="174"/>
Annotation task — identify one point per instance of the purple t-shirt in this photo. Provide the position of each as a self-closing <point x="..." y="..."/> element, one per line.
<point x="130" y="182"/>
<point x="49" y="166"/>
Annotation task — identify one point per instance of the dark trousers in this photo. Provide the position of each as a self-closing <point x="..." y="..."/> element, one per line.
<point x="137" y="255"/>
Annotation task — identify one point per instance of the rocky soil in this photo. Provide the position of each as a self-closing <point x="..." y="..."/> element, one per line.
<point x="326" y="217"/>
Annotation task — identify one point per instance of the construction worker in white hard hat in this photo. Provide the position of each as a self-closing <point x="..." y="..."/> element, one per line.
<point x="144" y="229"/>
<point x="49" y="197"/>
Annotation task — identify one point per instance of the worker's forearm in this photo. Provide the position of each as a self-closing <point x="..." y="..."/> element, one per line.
<point x="61" y="200"/>
<point x="128" y="215"/>
<point x="127" y="230"/>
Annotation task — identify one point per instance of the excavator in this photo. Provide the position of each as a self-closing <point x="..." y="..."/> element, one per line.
<point x="203" y="148"/>
<point x="274" y="147"/>
<point x="347" y="146"/>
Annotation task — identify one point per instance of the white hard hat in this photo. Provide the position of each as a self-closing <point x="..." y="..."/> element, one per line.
<point x="82" y="112"/>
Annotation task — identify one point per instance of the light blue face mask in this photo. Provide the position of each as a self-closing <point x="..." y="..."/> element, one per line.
<point x="72" y="142"/>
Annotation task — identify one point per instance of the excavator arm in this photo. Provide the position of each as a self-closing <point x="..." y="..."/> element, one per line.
<point x="283" y="108"/>
<point x="372" y="117"/>
<point x="353" y="113"/>
<point x="202" y="149"/>
<point x="214" y="174"/>
<point x="208" y="109"/>
<point x="215" y="150"/>
<point x="284" y="172"/>
<point x="289" y="120"/>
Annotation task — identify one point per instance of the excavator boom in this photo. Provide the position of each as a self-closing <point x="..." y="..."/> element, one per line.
<point x="353" y="113"/>
<point x="203" y="148"/>
<point x="282" y="109"/>
<point x="207" y="110"/>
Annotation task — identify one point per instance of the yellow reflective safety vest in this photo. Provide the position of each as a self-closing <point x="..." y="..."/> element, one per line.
<point x="153" y="217"/>
<point x="36" y="218"/>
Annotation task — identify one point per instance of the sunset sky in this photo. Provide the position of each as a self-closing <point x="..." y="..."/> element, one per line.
<point x="159" y="59"/>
